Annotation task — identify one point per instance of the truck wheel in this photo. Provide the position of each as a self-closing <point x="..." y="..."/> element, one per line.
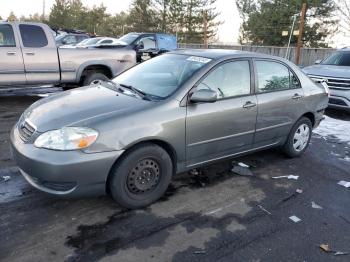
<point x="90" y="79"/>
<point x="141" y="177"/>
<point x="298" y="138"/>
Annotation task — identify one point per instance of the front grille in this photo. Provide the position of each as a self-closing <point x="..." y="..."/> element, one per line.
<point x="339" y="83"/>
<point x="333" y="82"/>
<point x="26" y="130"/>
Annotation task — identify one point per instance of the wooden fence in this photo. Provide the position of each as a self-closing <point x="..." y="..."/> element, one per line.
<point x="308" y="55"/>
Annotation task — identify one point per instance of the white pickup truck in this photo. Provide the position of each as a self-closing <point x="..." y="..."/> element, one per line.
<point x="30" y="57"/>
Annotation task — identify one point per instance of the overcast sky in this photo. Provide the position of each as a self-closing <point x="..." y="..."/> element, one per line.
<point x="228" y="31"/>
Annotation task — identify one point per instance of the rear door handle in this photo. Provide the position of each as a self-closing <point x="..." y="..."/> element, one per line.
<point x="249" y="104"/>
<point x="297" y="96"/>
<point x="30" y="53"/>
<point x="11" y="53"/>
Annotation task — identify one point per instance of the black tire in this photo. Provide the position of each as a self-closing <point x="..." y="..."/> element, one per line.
<point x="290" y="148"/>
<point x="125" y="184"/>
<point x="94" y="76"/>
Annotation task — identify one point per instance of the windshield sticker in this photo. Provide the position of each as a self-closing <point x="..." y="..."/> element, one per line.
<point x="199" y="59"/>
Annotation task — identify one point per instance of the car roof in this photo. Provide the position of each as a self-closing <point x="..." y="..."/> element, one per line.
<point x="222" y="53"/>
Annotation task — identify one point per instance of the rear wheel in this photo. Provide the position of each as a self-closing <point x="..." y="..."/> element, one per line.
<point x="141" y="177"/>
<point x="94" y="77"/>
<point x="299" y="138"/>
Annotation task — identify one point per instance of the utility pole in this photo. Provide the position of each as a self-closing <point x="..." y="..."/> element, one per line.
<point x="205" y="22"/>
<point x="290" y="36"/>
<point x="43" y="18"/>
<point x="300" y="37"/>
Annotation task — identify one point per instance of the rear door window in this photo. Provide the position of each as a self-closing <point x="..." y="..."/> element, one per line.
<point x="7" y="38"/>
<point x="273" y="76"/>
<point x="33" y="36"/>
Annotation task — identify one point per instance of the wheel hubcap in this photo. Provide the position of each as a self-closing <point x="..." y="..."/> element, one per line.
<point x="96" y="81"/>
<point x="301" y="137"/>
<point x="144" y="176"/>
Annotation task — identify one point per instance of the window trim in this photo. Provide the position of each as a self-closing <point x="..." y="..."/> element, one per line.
<point x="14" y="37"/>
<point x="252" y="80"/>
<point x="278" y="62"/>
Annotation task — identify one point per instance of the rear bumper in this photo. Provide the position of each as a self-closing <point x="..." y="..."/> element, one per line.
<point x="63" y="173"/>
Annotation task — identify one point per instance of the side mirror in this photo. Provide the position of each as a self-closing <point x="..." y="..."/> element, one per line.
<point x="318" y="61"/>
<point x="64" y="42"/>
<point x="204" y="95"/>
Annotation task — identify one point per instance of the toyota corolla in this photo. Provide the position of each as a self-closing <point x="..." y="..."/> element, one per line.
<point x="181" y="110"/>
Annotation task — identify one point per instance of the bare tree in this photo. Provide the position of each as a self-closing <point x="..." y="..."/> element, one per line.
<point x="343" y="7"/>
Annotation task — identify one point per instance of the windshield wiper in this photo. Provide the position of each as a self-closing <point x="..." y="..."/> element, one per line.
<point x="140" y="93"/>
<point x="133" y="89"/>
<point x="136" y="91"/>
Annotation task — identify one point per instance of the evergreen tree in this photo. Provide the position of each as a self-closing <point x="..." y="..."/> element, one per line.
<point x="162" y="8"/>
<point x="77" y="15"/>
<point x="59" y="16"/>
<point x="142" y="16"/>
<point x="264" y="21"/>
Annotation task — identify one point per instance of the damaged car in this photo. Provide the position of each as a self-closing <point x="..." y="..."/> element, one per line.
<point x="184" y="109"/>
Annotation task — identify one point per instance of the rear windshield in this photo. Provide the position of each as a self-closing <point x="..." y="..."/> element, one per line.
<point x="338" y="58"/>
<point x="163" y="75"/>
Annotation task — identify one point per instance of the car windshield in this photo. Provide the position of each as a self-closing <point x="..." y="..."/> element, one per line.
<point x="83" y="42"/>
<point x="91" y="41"/>
<point x="128" y="38"/>
<point x="338" y="58"/>
<point x="59" y="37"/>
<point x="161" y="76"/>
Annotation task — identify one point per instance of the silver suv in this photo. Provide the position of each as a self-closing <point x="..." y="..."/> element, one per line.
<point x="334" y="73"/>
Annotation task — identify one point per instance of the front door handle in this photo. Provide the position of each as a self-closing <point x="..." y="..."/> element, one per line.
<point x="249" y="104"/>
<point x="30" y="53"/>
<point x="297" y="96"/>
<point x="11" y="53"/>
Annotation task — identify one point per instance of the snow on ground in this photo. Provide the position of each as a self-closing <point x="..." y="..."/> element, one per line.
<point x="335" y="129"/>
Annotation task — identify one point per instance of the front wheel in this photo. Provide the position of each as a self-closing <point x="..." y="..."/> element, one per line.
<point x="299" y="138"/>
<point x="142" y="176"/>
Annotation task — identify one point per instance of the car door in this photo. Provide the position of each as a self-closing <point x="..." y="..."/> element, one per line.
<point x="225" y="127"/>
<point x="39" y="55"/>
<point x="11" y="60"/>
<point x="280" y="101"/>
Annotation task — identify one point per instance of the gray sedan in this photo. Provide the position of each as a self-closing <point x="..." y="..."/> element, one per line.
<point x="178" y="111"/>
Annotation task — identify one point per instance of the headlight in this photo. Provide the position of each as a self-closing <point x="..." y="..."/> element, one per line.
<point x="67" y="138"/>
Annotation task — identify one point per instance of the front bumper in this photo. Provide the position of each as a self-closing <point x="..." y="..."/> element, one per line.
<point x="63" y="173"/>
<point x="339" y="99"/>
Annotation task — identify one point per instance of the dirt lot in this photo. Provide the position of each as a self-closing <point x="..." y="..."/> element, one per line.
<point x="214" y="216"/>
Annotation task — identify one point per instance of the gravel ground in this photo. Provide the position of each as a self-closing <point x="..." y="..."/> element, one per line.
<point x="213" y="216"/>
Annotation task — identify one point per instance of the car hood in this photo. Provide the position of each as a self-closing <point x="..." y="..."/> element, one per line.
<point x="328" y="70"/>
<point x="81" y="106"/>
